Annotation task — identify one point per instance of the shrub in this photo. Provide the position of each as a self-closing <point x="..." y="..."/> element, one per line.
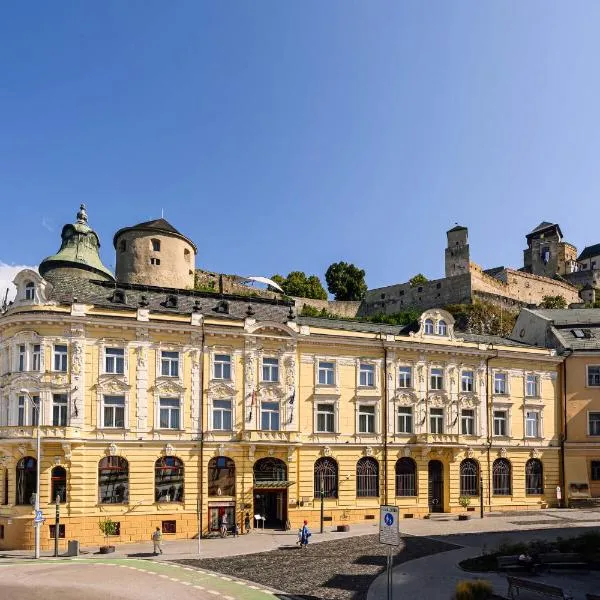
<point x="464" y="501"/>
<point x="108" y="527"/>
<point x="475" y="589"/>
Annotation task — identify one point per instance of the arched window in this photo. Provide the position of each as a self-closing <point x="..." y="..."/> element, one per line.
<point x="58" y="487"/>
<point x="406" y="477"/>
<point x="30" y="290"/>
<point x="113" y="480"/>
<point x="534" y="477"/>
<point x="168" y="479"/>
<point x="469" y="478"/>
<point x="442" y="328"/>
<point x="221" y="476"/>
<point x="429" y="326"/>
<point x="367" y="477"/>
<point x="501" y="477"/>
<point x="270" y="469"/>
<point x="26" y="479"/>
<point x="326" y="473"/>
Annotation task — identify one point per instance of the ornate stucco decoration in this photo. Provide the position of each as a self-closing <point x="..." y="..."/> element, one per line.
<point x="503" y="453"/>
<point x="326" y="451"/>
<point x="168" y="386"/>
<point x="66" y="448"/>
<point x="111" y="384"/>
<point x="290" y="454"/>
<point x="251" y="452"/>
<point x="221" y="449"/>
<point x="438" y="318"/>
<point x="368" y="451"/>
<point x="405" y="452"/>
<point x="113" y="449"/>
<point x="535" y="453"/>
<point x="469" y="453"/>
<point x="219" y="389"/>
<point x="406" y="399"/>
<point x="169" y="450"/>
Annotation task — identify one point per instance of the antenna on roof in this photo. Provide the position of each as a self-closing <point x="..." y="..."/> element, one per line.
<point x="162" y="213"/>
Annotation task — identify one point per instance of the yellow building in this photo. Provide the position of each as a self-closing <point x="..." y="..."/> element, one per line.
<point x="172" y="408"/>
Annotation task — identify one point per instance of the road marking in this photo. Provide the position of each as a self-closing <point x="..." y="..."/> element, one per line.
<point x="213" y="592"/>
<point x="225" y="578"/>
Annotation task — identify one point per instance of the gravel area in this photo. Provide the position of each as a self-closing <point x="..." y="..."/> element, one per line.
<point x="336" y="570"/>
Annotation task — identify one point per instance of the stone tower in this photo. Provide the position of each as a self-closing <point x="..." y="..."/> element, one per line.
<point x="78" y="255"/>
<point x="546" y="254"/>
<point x="457" y="252"/>
<point x="155" y="253"/>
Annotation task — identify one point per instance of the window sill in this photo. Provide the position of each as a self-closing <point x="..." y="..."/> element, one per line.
<point x="326" y="433"/>
<point x="221" y="379"/>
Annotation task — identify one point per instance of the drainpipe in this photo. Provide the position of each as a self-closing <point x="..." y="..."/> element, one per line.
<point x="385" y="425"/>
<point x="563" y="437"/>
<point x="490" y="424"/>
<point x="201" y="427"/>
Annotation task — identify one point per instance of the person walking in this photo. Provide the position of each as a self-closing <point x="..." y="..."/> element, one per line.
<point x="156" y="541"/>
<point x="247" y="522"/>
<point x="224" y="525"/>
<point x="304" y="535"/>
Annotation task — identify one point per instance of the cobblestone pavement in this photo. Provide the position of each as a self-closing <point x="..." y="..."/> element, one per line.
<point x="336" y="570"/>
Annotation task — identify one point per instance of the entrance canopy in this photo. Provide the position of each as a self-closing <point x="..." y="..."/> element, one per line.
<point x="266" y="484"/>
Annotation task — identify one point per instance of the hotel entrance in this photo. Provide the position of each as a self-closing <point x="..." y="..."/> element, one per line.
<point x="271" y="493"/>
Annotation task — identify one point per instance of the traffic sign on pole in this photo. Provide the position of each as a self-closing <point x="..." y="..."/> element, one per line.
<point x="39" y="517"/>
<point x="389" y="525"/>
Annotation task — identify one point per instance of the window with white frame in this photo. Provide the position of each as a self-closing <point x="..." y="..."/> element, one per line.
<point x="270" y="370"/>
<point x="21" y="358"/>
<point x="326" y="373"/>
<point x="60" y="406"/>
<point x="500" y="423"/>
<point x="532" y="385"/>
<point x="325" y="417"/>
<point x="366" y="376"/>
<point x="30" y="290"/>
<point x="114" y="361"/>
<point x="593" y="375"/>
<point x="222" y="415"/>
<point x="437" y="379"/>
<point x="21" y="411"/>
<point x="500" y="383"/>
<point x="404" y="377"/>
<point x="61" y="356"/>
<point x="467" y="421"/>
<point x="532" y="423"/>
<point x="34" y="411"/>
<point x="466" y="381"/>
<point x="405" y="419"/>
<point x="269" y="416"/>
<point x="113" y="412"/>
<point x="442" y="328"/>
<point x="170" y="413"/>
<point x="428" y="326"/>
<point x="366" y="418"/>
<point x="436" y="420"/>
<point x="594" y="423"/>
<point x="169" y="363"/>
<point x="222" y="367"/>
<point x="36" y="357"/>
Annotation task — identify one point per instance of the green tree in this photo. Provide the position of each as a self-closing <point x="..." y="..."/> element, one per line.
<point x="299" y="285"/>
<point x="346" y="281"/>
<point x="553" y="302"/>
<point x="418" y="279"/>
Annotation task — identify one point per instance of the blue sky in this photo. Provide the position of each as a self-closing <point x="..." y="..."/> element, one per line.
<point x="289" y="135"/>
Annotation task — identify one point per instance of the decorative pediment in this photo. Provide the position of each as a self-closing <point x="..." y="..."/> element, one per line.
<point x="108" y="384"/>
<point x="252" y="326"/>
<point x="26" y="381"/>
<point x="438" y="400"/>
<point x="220" y="389"/>
<point x="469" y="400"/>
<point x="271" y="392"/>
<point x="168" y="386"/>
<point x="406" y="399"/>
<point x="28" y="335"/>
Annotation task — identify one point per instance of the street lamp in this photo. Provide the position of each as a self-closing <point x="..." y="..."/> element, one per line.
<point x="36" y="526"/>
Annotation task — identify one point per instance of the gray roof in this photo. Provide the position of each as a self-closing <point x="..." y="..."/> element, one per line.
<point x="496" y="340"/>
<point x="570" y="316"/>
<point x="569" y="339"/>
<point x="348" y="325"/>
<point x="589" y="252"/>
<point x="542" y="227"/>
<point x="158" y="225"/>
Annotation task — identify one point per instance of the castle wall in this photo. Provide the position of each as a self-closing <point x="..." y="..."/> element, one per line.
<point x="346" y="309"/>
<point x="229" y="284"/>
<point x="581" y="278"/>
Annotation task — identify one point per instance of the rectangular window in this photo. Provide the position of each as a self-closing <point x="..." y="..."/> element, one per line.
<point x="169" y="526"/>
<point x="500" y="422"/>
<point x="325" y="418"/>
<point x="500" y="383"/>
<point x="437" y="379"/>
<point x="466" y="381"/>
<point x="222" y="366"/>
<point x="593" y="376"/>
<point x="222" y="415"/>
<point x="59" y="410"/>
<point x="595" y="470"/>
<point x="594" y="423"/>
<point x="532" y="386"/>
<point x="436" y="420"/>
<point x="114" y="412"/>
<point x="34" y="413"/>
<point x="61" y="356"/>
<point x="169" y="413"/>
<point x="22" y="358"/>
<point x="270" y="368"/>
<point x="155" y="261"/>
<point x="61" y="531"/>
<point x="21" y="411"/>
<point x="366" y="419"/>
<point x="114" y="361"/>
<point x="169" y="364"/>
<point x="532" y="424"/>
<point x="405" y="377"/>
<point x="366" y="376"/>
<point x="326" y="373"/>
<point x="269" y="416"/>
<point x="405" y="419"/>
<point x="36" y="357"/>
<point x="467" y="421"/>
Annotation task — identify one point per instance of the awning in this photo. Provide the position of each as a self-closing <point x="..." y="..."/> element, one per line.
<point x="267" y="484"/>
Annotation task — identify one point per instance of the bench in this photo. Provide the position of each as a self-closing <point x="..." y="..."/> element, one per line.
<point x="516" y="584"/>
<point x="562" y="560"/>
<point x="509" y="563"/>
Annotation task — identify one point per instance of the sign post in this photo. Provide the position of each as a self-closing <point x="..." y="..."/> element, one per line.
<point x="389" y="534"/>
<point x="57" y="525"/>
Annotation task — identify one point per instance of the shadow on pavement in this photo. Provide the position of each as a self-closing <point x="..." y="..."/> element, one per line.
<point x="140" y="555"/>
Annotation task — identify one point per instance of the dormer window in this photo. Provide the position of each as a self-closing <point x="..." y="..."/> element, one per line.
<point x="30" y="291"/>
<point x="428" y="326"/>
<point x="171" y="301"/>
<point x="119" y="297"/>
<point x="156" y="245"/>
<point x="442" y="328"/>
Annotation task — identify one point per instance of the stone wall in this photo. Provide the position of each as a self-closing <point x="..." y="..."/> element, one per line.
<point x="229" y="284"/>
<point x="346" y="309"/>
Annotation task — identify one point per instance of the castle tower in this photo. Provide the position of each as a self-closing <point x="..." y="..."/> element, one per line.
<point x="78" y="255"/>
<point x="457" y="252"/>
<point x="546" y="254"/>
<point x="155" y="253"/>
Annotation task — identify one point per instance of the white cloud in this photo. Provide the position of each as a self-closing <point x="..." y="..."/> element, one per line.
<point x="7" y="274"/>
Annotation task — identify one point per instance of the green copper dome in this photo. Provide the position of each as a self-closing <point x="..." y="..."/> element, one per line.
<point x="78" y="250"/>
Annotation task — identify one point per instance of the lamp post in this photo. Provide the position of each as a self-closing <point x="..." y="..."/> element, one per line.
<point x="322" y="482"/>
<point x="36" y="526"/>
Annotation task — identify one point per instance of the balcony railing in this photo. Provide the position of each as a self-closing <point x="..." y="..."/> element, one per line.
<point x="270" y="436"/>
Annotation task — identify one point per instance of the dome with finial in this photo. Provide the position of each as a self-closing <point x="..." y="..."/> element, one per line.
<point x="78" y="254"/>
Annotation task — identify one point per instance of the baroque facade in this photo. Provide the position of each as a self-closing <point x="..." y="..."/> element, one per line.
<point x="167" y="407"/>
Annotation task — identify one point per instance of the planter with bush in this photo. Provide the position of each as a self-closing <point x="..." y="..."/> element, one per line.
<point x="108" y="527"/>
<point x="464" y="501"/>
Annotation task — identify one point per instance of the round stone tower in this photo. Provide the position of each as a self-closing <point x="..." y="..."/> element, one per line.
<point x="155" y="253"/>
<point x="78" y="255"/>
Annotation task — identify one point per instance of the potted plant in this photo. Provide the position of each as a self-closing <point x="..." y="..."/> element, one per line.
<point x="108" y="527"/>
<point x="464" y="501"/>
